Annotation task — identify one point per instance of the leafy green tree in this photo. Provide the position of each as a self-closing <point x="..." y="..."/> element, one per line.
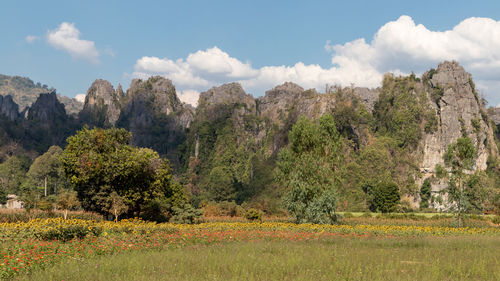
<point x="3" y="196"/>
<point x="47" y="172"/>
<point x="308" y="167"/>
<point x="116" y="206"/>
<point x="220" y="185"/>
<point x="425" y="193"/>
<point x="67" y="200"/>
<point x="385" y="197"/>
<point x="13" y="172"/>
<point x="460" y="157"/>
<point x="186" y="214"/>
<point x="98" y="162"/>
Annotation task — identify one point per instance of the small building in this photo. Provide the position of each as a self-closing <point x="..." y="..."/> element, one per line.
<point x="13" y="202"/>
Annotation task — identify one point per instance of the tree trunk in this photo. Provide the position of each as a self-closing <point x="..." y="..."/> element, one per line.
<point x="45" y="187"/>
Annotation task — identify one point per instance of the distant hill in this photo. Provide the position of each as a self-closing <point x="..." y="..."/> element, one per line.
<point x="25" y="92"/>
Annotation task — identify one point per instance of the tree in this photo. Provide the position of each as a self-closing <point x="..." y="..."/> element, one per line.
<point x="116" y="205"/>
<point x="460" y="157"/>
<point x="220" y="185"/>
<point x="385" y="197"/>
<point x="99" y="162"/>
<point x="425" y="193"/>
<point x="66" y="201"/>
<point x="47" y="172"/>
<point x="308" y="168"/>
<point x="13" y="172"/>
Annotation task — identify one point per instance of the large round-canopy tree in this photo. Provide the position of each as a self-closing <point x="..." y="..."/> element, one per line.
<point x="99" y="162"/>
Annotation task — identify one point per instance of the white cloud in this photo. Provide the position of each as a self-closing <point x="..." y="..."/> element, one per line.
<point x="67" y="37"/>
<point x="189" y="96"/>
<point x="31" y="38"/>
<point x="399" y="46"/>
<point x="203" y="69"/>
<point x="80" y="98"/>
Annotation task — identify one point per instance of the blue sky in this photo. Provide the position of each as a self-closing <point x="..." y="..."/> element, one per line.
<point x="199" y="44"/>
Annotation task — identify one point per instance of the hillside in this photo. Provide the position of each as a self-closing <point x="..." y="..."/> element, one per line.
<point x="25" y="92"/>
<point x="230" y="147"/>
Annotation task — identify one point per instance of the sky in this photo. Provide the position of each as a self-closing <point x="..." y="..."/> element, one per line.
<point x="260" y="44"/>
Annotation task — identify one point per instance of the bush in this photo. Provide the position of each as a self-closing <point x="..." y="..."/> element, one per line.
<point x="495" y="220"/>
<point x="366" y="215"/>
<point x="186" y="214"/>
<point x="224" y="208"/>
<point x="425" y="194"/>
<point x="254" y="215"/>
<point x="385" y="198"/>
<point x="348" y="215"/>
<point x="66" y="232"/>
<point x="156" y="210"/>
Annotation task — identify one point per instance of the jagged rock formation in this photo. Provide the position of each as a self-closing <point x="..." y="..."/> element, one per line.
<point x="367" y="96"/>
<point x="25" y="92"/>
<point x="460" y="113"/>
<point x="47" y="110"/>
<point x="233" y="131"/>
<point x="494" y="114"/>
<point x="154" y="114"/>
<point x="9" y="108"/>
<point x="267" y="119"/>
<point x="102" y="104"/>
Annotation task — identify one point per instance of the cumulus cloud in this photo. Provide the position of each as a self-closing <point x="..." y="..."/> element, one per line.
<point x="206" y="68"/>
<point x="67" y="37"/>
<point x="31" y="38"/>
<point x="80" y="98"/>
<point x="399" y="46"/>
<point x="190" y="97"/>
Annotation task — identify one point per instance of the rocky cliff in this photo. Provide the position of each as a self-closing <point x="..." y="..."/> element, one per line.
<point x="152" y="111"/>
<point x="47" y="110"/>
<point x="460" y="113"/>
<point x="9" y="108"/>
<point x="25" y="92"/>
<point x="102" y="104"/>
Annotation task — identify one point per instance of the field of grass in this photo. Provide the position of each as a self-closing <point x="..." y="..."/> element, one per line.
<point x="363" y="248"/>
<point x="456" y="258"/>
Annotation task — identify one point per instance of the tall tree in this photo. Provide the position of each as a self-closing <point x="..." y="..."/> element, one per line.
<point x="98" y="162"/>
<point x="66" y="201"/>
<point x="460" y="157"/>
<point x="13" y="172"/>
<point x="47" y="172"/>
<point x="116" y="207"/>
<point x="308" y="169"/>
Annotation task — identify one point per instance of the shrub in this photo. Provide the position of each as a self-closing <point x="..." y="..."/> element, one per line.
<point x="385" y="197"/>
<point x="425" y="194"/>
<point x="186" y="214"/>
<point x="156" y="210"/>
<point x="348" y="215"/>
<point x="66" y="232"/>
<point x="366" y="215"/>
<point x="495" y="220"/>
<point x="254" y="215"/>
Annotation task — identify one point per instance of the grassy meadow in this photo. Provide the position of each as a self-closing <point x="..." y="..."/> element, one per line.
<point x="395" y="247"/>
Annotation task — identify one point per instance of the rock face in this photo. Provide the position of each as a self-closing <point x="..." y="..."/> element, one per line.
<point x="367" y="96"/>
<point x="102" y="104"/>
<point x="156" y="117"/>
<point x="231" y="93"/>
<point x="159" y="93"/>
<point x="24" y="92"/>
<point x="47" y="110"/>
<point x="9" y="108"/>
<point x="494" y="114"/>
<point x="460" y="113"/>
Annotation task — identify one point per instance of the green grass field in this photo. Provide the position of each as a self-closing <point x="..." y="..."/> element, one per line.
<point x="403" y="258"/>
